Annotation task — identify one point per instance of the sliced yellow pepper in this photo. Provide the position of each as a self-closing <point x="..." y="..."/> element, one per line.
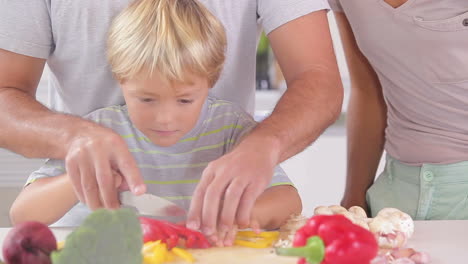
<point x="184" y="254"/>
<point x="149" y="246"/>
<point x="170" y="256"/>
<point x="148" y="258"/>
<point x="263" y="243"/>
<point x="254" y="240"/>
<point x="159" y="254"/>
<point x="266" y="234"/>
<point x="60" y="244"/>
<point x="155" y="252"/>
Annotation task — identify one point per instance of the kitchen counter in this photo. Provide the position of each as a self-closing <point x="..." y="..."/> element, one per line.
<point x="445" y="241"/>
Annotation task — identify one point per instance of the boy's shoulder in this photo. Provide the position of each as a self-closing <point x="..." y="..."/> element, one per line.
<point x="111" y="116"/>
<point x="218" y="106"/>
<point x="112" y="111"/>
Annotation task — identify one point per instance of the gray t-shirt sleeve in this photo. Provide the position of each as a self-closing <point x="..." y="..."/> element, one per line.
<point x="275" y="13"/>
<point x="25" y="27"/>
<point x="51" y="168"/>
<point x="335" y="5"/>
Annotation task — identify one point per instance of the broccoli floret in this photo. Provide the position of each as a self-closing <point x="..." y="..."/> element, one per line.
<point x="104" y="237"/>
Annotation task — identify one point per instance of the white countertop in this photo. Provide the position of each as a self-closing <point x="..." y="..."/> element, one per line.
<point x="445" y="241"/>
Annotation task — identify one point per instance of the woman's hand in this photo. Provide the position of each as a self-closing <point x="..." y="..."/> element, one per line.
<point x="350" y="200"/>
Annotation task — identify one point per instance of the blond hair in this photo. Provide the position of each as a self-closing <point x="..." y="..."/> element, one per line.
<point x="173" y="37"/>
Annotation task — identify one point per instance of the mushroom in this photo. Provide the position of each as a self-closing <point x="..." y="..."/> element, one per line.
<point x="356" y="214"/>
<point x="392" y="228"/>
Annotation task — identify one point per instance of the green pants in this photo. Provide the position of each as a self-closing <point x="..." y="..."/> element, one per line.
<point x="427" y="192"/>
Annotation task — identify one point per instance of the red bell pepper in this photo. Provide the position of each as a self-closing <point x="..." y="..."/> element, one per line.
<point x="170" y="234"/>
<point x="194" y="239"/>
<point x="158" y="230"/>
<point x="151" y="232"/>
<point x="332" y="239"/>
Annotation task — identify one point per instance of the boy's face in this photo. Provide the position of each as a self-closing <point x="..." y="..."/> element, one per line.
<point x="164" y="111"/>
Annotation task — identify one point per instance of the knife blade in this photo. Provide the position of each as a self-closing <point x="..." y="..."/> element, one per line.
<point x="151" y="205"/>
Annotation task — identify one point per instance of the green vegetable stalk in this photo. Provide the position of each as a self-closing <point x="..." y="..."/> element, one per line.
<point x="313" y="251"/>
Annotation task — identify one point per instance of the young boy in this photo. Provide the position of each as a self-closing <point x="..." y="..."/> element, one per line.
<point x="166" y="55"/>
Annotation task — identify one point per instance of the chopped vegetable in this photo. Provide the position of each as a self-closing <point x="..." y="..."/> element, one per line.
<point x="156" y="252"/>
<point x="104" y="237"/>
<point x="60" y="244"/>
<point x="184" y="254"/>
<point x="254" y="240"/>
<point x="149" y="246"/>
<point x="170" y="234"/>
<point x="266" y="234"/>
<point x="332" y="239"/>
<point x="265" y="243"/>
<point x="154" y="230"/>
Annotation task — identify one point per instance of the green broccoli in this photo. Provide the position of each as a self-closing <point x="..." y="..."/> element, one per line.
<point x="105" y="237"/>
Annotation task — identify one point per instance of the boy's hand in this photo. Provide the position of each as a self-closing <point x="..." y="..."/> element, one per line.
<point x="93" y="159"/>
<point x="239" y="177"/>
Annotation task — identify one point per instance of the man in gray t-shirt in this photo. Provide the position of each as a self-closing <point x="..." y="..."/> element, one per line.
<point x="70" y="37"/>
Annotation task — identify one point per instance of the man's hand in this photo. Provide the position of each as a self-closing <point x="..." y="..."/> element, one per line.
<point x="96" y="158"/>
<point x="230" y="186"/>
<point x="226" y="237"/>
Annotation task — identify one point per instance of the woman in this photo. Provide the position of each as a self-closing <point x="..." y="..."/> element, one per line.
<point x="408" y="61"/>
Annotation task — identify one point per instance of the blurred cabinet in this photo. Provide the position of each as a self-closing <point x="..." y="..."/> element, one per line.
<point x="270" y="82"/>
<point x="268" y="73"/>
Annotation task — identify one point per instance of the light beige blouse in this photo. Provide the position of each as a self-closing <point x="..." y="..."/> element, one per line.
<point x="420" y="53"/>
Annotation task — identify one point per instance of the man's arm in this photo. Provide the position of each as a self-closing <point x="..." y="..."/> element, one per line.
<point x="91" y="152"/>
<point x="33" y="130"/>
<point x="366" y="120"/>
<point x="313" y="99"/>
<point x="312" y="102"/>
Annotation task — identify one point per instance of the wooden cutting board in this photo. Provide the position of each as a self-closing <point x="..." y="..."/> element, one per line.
<point x="245" y="255"/>
<point x="238" y="255"/>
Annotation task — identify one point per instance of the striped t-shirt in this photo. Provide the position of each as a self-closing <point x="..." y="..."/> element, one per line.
<point x="170" y="172"/>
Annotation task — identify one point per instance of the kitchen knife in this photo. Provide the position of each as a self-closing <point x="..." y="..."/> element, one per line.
<point x="151" y="205"/>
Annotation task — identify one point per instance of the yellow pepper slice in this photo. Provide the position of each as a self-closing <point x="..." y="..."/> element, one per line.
<point x="60" y="244"/>
<point x="170" y="256"/>
<point x="159" y="254"/>
<point x="254" y="240"/>
<point x="148" y="258"/>
<point x="266" y="234"/>
<point x="260" y="243"/>
<point x="184" y="254"/>
<point x="148" y="247"/>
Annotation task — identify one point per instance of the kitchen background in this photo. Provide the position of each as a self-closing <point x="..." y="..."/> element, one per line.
<point x="318" y="172"/>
